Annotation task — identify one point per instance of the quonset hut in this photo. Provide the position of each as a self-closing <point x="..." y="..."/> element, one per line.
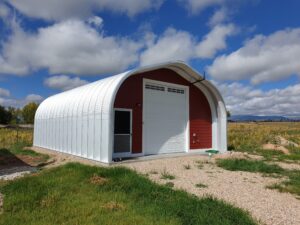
<point x="159" y="109"/>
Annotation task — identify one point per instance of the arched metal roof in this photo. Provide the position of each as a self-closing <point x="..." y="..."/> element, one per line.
<point x="93" y="102"/>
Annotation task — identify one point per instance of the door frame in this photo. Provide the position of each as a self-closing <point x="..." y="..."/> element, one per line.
<point x="187" y="128"/>
<point x="123" y="154"/>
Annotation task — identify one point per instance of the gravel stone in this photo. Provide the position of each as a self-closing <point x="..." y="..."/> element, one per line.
<point x="242" y="189"/>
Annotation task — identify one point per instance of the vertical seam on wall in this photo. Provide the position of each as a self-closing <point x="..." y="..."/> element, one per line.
<point x="84" y="94"/>
<point x="93" y="89"/>
<point x="104" y="97"/>
<point x="94" y="114"/>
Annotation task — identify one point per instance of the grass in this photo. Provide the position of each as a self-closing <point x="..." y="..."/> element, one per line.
<point x="166" y="175"/>
<point x="12" y="148"/>
<point x="16" y="155"/>
<point x="248" y="165"/>
<point x="200" y="164"/>
<point x="200" y="185"/>
<point x="291" y="185"/>
<point x="249" y="137"/>
<point x="9" y="137"/>
<point x="66" y="195"/>
<point x="187" y="167"/>
<point x="170" y="184"/>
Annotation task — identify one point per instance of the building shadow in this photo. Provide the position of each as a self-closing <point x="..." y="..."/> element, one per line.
<point x="10" y="163"/>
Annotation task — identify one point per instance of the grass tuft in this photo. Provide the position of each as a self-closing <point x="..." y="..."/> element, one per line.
<point x="170" y="184"/>
<point x="166" y="175"/>
<point x="187" y="167"/>
<point x="200" y="185"/>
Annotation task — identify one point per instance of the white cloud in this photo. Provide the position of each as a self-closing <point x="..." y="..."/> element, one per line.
<point x="56" y="10"/>
<point x="4" y="92"/>
<point x="70" y="46"/>
<point x="221" y="15"/>
<point x="4" y="11"/>
<point x="261" y="59"/>
<point x="63" y="82"/>
<point x="214" y="41"/>
<point x="172" y="45"/>
<point x="75" y="47"/>
<point x="96" y="21"/>
<point x="18" y="103"/>
<point x="181" y="45"/>
<point x="195" y="6"/>
<point x="242" y="99"/>
<point x="33" y="98"/>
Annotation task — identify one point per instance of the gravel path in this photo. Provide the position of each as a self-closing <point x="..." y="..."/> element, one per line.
<point x="242" y="189"/>
<point x="15" y="172"/>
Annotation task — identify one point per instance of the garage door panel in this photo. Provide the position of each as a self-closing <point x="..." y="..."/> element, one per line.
<point x="165" y="119"/>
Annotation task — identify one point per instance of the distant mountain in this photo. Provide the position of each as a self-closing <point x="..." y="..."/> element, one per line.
<point x="293" y="117"/>
<point x="246" y="118"/>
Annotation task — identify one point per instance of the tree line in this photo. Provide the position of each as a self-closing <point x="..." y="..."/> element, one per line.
<point x="12" y="115"/>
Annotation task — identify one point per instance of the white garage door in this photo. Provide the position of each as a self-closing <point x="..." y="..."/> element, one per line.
<point x="165" y="116"/>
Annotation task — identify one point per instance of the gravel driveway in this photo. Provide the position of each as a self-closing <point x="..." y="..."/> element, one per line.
<point x="242" y="189"/>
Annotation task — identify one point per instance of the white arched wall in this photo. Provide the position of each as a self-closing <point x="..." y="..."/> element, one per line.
<point x="80" y="121"/>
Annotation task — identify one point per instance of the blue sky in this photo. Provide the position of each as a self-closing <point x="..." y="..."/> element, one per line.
<point x="249" y="48"/>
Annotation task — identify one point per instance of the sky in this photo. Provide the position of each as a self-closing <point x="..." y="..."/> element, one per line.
<point x="250" y="49"/>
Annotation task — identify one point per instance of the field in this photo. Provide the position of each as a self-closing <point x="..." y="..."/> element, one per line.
<point x="9" y="137"/>
<point x="242" y="137"/>
<point x="249" y="137"/>
<point x="93" y="195"/>
<point x="12" y="153"/>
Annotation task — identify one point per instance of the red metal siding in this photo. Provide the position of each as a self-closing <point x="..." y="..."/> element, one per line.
<point x="130" y="96"/>
<point x="200" y="120"/>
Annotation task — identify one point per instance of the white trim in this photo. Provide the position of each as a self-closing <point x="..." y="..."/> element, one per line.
<point x="187" y="98"/>
<point x="124" y="154"/>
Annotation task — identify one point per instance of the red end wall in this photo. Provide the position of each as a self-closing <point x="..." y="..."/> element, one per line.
<point x="130" y="96"/>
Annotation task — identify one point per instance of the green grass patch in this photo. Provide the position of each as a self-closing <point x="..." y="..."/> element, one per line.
<point x="18" y="149"/>
<point x="272" y="155"/>
<point x="292" y="185"/>
<point x="70" y="195"/>
<point x="248" y="165"/>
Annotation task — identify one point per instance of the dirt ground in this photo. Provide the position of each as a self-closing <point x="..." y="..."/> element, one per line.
<point x="242" y="189"/>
